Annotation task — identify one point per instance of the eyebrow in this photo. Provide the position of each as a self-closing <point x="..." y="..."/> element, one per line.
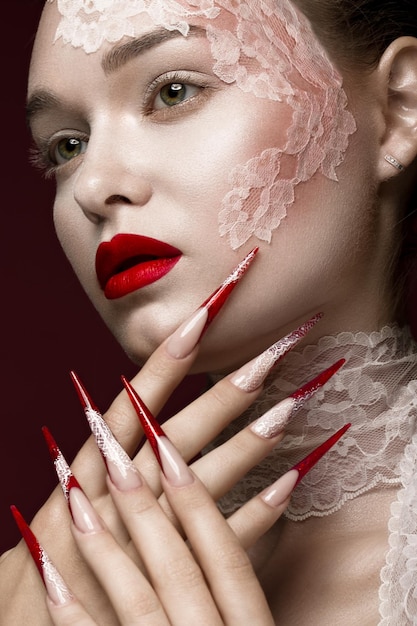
<point x="43" y="100"/>
<point x="120" y="55"/>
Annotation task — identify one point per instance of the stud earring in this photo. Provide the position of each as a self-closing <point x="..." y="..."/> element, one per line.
<point x="393" y="161"/>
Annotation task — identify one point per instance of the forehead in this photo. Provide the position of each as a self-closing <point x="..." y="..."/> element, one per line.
<point x="90" y="23"/>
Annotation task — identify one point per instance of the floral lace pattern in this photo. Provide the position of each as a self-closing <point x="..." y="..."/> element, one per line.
<point x="398" y="592"/>
<point x="274" y="54"/>
<point x="376" y="391"/>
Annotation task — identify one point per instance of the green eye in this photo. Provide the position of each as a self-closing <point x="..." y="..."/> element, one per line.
<point x="174" y="93"/>
<point x="68" y="148"/>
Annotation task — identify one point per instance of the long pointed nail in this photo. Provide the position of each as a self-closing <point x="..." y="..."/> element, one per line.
<point x="65" y="476"/>
<point x="172" y="464"/>
<point x="280" y="489"/>
<point x="306" y="464"/>
<point x="121" y="469"/>
<point x="55" y="586"/>
<point x="273" y="422"/>
<point x="251" y="375"/>
<point x="183" y="341"/>
<point x="82" y="512"/>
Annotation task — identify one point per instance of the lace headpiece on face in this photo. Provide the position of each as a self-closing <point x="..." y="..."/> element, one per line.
<point x="267" y="48"/>
<point x="88" y="24"/>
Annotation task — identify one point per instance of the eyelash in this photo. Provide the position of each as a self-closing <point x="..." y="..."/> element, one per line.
<point x="171" y="78"/>
<point x="41" y="154"/>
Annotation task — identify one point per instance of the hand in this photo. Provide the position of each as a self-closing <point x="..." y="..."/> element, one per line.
<point x="154" y="583"/>
<point x="157" y="379"/>
<point x="213" y="583"/>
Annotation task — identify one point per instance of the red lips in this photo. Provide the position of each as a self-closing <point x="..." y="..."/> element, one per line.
<point x="129" y="262"/>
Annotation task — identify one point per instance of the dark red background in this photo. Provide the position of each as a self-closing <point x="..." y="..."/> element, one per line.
<point x="48" y="325"/>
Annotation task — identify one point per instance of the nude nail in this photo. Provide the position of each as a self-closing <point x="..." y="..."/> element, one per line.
<point x="84" y="516"/>
<point x="280" y="490"/>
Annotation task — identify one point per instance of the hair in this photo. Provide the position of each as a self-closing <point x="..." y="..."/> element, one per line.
<point x="356" y="33"/>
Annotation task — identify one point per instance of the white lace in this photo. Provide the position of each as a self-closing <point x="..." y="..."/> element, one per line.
<point x="88" y="24"/>
<point x="377" y="392"/>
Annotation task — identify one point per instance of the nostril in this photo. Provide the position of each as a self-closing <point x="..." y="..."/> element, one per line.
<point x="117" y="199"/>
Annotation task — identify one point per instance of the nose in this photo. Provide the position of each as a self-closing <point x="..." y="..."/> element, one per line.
<point x="109" y="179"/>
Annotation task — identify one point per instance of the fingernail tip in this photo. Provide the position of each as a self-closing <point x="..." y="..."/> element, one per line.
<point x="306" y="464"/>
<point x="83" y="395"/>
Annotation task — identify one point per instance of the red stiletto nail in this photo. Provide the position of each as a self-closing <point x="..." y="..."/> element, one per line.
<point x="65" y="476"/>
<point x="305" y="392"/>
<point x="32" y="543"/>
<point x="120" y="467"/>
<point x="83" y="395"/>
<point x="150" y="425"/>
<point x="172" y="464"/>
<point x="273" y="422"/>
<point x="214" y="303"/>
<point x="54" y="584"/>
<point x="183" y="341"/>
<point x="311" y="459"/>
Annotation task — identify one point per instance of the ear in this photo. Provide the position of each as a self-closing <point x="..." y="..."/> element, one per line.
<point x="397" y="72"/>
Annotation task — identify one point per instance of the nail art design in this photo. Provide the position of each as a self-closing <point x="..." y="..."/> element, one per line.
<point x="150" y="425"/>
<point x="252" y="374"/>
<point x="82" y="511"/>
<point x="273" y="495"/>
<point x="171" y="462"/>
<point x="119" y="465"/>
<point x="55" y="586"/>
<point x="65" y="476"/>
<point x="214" y="303"/>
<point x="306" y="464"/>
<point x="183" y="341"/>
<point x="275" y="420"/>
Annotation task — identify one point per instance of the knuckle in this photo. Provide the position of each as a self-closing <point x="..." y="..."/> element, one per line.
<point x="138" y="604"/>
<point x="182" y="571"/>
<point x="141" y="507"/>
<point x="234" y="561"/>
<point x="223" y="395"/>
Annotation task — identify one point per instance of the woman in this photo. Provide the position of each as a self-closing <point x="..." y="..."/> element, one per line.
<point x="181" y="134"/>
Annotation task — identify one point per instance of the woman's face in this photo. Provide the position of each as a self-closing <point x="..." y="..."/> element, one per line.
<point x="149" y="143"/>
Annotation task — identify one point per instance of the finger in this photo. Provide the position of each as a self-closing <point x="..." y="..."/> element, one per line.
<point x="221" y="469"/>
<point x="254" y="518"/>
<point x="173" y="572"/>
<point x="226" y="566"/>
<point x="130" y="593"/>
<point x="200" y="422"/>
<point x="227" y="570"/>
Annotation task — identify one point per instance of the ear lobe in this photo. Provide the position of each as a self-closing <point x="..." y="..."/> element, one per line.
<point x="398" y="74"/>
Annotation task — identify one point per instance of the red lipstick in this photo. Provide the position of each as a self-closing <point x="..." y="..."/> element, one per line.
<point x="130" y="262"/>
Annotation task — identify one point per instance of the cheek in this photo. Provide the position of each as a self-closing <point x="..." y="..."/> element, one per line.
<point x="73" y="232"/>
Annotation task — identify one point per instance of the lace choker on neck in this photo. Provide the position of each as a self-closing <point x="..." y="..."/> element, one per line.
<point x="375" y="391"/>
